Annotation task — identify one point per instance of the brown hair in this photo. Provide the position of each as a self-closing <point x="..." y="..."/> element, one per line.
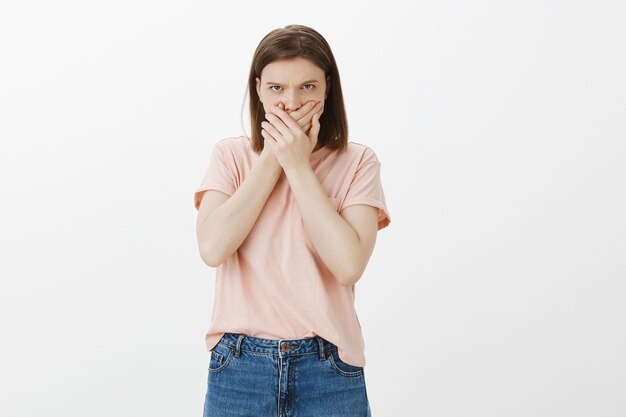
<point x="304" y="42"/>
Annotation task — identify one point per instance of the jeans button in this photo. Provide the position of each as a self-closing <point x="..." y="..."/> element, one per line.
<point x="286" y="347"/>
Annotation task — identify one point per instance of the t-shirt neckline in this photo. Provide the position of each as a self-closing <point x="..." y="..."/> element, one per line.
<point x="321" y="152"/>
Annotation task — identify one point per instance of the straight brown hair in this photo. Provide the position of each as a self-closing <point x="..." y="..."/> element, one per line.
<point x="304" y="42"/>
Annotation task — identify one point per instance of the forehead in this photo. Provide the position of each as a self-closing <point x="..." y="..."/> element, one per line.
<point x="292" y="70"/>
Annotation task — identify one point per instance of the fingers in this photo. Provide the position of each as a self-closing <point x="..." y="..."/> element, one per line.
<point x="267" y="136"/>
<point x="302" y="111"/>
<point x="269" y="128"/>
<point x="279" y="120"/>
<point x="286" y="119"/>
<point x="306" y="117"/>
<point x="275" y="124"/>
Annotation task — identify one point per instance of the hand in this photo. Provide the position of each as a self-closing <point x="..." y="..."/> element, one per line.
<point x="287" y="139"/>
<point x="303" y="117"/>
<point x="304" y="114"/>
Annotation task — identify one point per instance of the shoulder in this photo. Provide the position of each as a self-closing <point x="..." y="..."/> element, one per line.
<point x="235" y="148"/>
<point x="361" y="153"/>
<point x="233" y="143"/>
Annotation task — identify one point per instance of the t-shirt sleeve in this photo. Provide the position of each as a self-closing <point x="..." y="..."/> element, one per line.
<point x="366" y="188"/>
<point x="218" y="176"/>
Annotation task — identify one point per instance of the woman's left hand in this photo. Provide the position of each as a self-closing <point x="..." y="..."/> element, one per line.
<point x="291" y="145"/>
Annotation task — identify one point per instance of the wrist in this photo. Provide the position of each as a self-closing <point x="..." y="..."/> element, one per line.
<point x="298" y="170"/>
<point x="268" y="159"/>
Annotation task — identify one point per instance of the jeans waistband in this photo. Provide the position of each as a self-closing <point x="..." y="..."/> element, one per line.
<point x="279" y="347"/>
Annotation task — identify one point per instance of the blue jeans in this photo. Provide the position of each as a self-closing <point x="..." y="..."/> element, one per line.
<point x="253" y="377"/>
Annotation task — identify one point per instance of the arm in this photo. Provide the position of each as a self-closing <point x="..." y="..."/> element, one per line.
<point x="344" y="242"/>
<point x="224" y="222"/>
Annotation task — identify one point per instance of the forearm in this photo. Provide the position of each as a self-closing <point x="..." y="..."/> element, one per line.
<point x="335" y="240"/>
<point x="226" y="227"/>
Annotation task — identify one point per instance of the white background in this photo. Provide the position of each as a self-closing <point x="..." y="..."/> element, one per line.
<point x="498" y="289"/>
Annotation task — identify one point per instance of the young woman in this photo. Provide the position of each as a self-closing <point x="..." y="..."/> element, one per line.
<point x="289" y="217"/>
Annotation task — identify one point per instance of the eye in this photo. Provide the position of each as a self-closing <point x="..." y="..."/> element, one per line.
<point x="277" y="86"/>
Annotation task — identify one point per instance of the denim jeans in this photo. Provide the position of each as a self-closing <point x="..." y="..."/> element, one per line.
<point x="254" y="377"/>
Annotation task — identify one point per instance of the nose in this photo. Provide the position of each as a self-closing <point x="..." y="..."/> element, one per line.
<point x="291" y="101"/>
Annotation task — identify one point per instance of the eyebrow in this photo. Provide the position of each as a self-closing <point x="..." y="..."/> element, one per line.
<point x="304" y="82"/>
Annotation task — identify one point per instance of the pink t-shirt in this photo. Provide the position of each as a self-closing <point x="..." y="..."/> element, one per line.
<point x="275" y="286"/>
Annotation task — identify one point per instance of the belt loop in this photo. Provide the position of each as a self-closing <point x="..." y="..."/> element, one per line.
<point x="238" y="345"/>
<point x="321" y="343"/>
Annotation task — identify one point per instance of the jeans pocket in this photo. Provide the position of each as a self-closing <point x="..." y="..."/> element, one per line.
<point x="221" y="355"/>
<point x="343" y="368"/>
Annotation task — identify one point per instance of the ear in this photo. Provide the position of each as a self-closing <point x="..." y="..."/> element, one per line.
<point x="258" y="87"/>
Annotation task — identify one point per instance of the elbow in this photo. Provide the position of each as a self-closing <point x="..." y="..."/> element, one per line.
<point x="210" y="250"/>
<point x="211" y="257"/>
<point x="348" y="281"/>
<point x="350" y="277"/>
<point x="214" y="256"/>
<point x="213" y="253"/>
<point x="212" y="262"/>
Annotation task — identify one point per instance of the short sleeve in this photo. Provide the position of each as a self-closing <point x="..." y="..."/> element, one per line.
<point x="218" y="176"/>
<point x="366" y="188"/>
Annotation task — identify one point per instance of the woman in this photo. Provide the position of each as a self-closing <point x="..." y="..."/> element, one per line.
<point x="289" y="217"/>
